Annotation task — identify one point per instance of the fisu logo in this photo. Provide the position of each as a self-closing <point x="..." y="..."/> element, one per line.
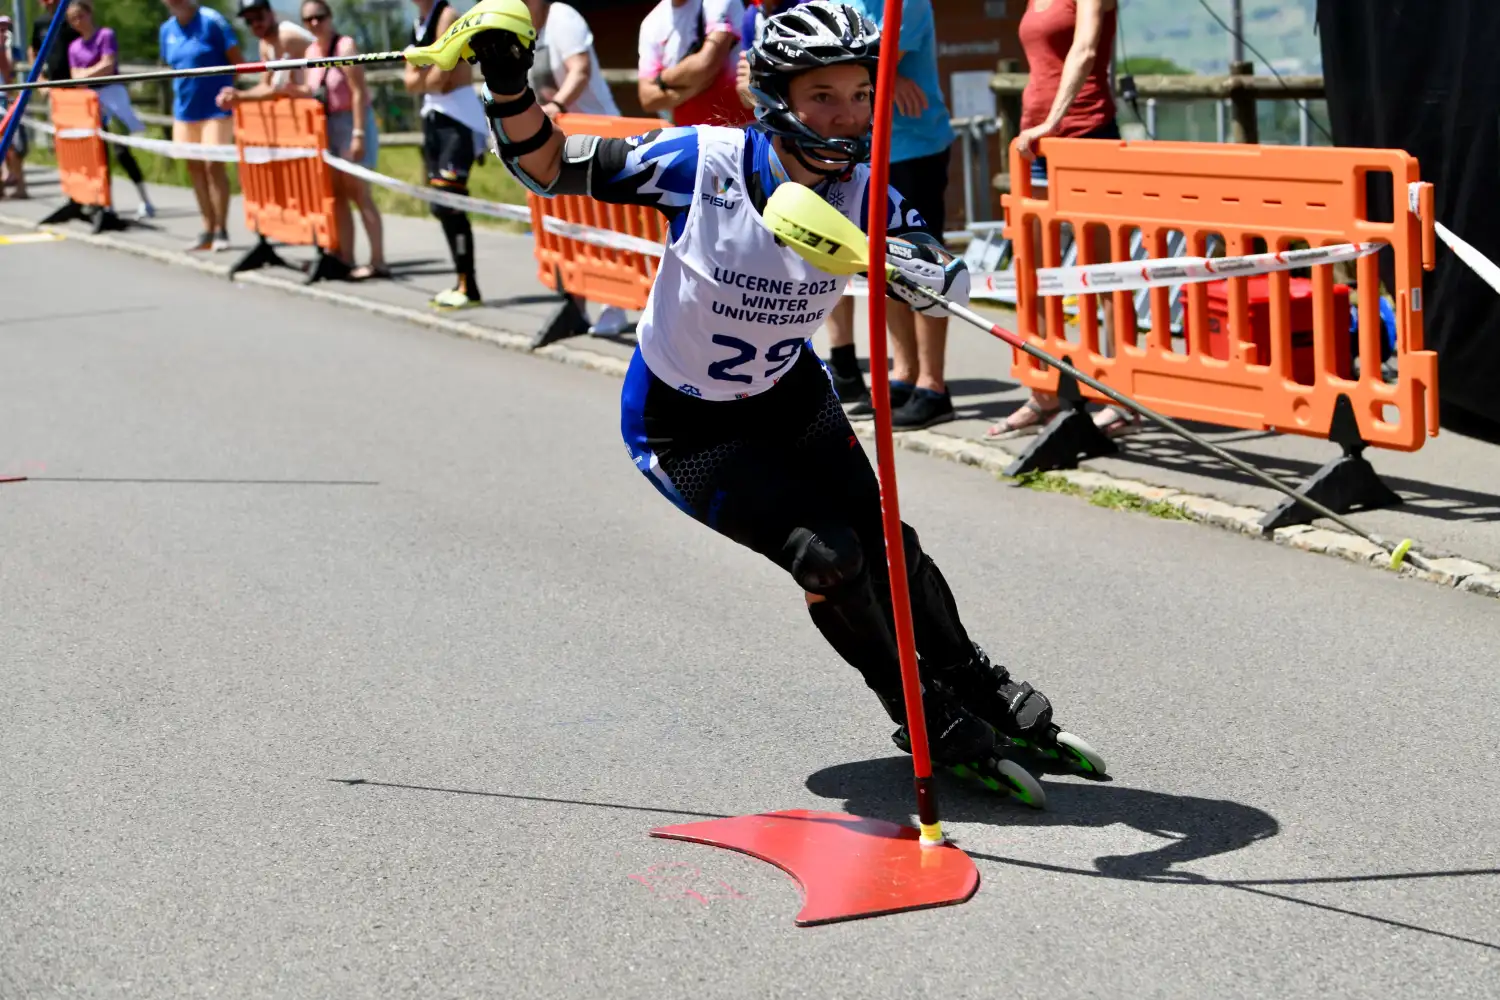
<point x="719" y="196"/>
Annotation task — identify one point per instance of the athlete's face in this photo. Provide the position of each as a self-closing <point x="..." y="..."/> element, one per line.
<point x="835" y="101"/>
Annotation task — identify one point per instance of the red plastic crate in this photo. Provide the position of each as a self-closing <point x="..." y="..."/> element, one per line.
<point x="1259" y="351"/>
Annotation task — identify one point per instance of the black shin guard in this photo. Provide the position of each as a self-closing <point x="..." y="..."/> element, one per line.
<point x="828" y="561"/>
<point x="941" y="639"/>
<point x="460" y="236"/>
<point x="855" y="625"/>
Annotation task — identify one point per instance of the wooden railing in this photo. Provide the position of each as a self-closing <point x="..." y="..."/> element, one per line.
<point x="1243" y="90"/>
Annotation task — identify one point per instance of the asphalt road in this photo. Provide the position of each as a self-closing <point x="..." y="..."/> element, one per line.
<point x="270" y="547"/>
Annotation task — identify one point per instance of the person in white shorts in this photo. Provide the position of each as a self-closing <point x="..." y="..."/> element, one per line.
<point x="567" y="80"/>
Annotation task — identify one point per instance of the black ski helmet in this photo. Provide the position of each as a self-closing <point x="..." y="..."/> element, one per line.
<point x="809" y="37"/>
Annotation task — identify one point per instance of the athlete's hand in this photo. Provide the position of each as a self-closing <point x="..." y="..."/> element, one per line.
<point x="924" y="261"/>
<point x="504" y="60"/>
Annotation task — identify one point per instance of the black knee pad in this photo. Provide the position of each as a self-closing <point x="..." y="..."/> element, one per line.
<point x="942" y="641"/>
<point x="826" y="559"/>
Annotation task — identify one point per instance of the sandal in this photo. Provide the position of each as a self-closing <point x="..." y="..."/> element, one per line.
<point x="1116" y="423"/>
<point x="1029" y="416"/>
<point x="367" y="272"/>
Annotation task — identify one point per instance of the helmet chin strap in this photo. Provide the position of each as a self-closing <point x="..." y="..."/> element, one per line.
<point x="828" y="169"/>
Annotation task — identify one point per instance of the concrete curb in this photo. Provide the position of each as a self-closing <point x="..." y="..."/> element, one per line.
<point x="1453" y="572"/>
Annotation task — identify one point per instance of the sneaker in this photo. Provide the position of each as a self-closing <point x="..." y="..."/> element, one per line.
<point x="145" y="211"/>
<point x="205" y="242"/>
<point x="850" y="389"/>
<point x="453" y="298"/>
<point x="865" y="410"/>
<point x="923" y="409"/>
<point x="220" y="241"/>
<point x="612" y="322"/>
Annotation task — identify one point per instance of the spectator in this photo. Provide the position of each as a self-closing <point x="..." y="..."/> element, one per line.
<point x="95" y="53"/>
<point x="351" y="134"/>
<point x="921" y="150"/>
<point x="756" y="16"/>
<point x="688" y="53"/>
<point x="566" y="78"/>
<point x="275" y="39"/>
<point x="454" y="132"/>
<point x="194" y="38"/>
<point x="566" y="75"/>
<point x="56" y="66"/>
<point x="14" y="174"/>
<point x="1069" y="46"/>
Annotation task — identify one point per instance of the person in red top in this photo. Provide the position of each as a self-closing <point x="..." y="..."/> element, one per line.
<point x="1069" y="46"/>
<point x="688" y="53"/>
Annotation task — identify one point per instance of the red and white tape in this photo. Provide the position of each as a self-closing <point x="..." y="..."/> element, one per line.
<point x="1129" y="276"/>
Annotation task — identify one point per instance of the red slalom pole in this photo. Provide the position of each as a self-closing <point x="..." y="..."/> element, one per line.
<point x="880" y="390"/>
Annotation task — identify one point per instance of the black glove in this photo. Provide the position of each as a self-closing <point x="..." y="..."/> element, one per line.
<point x="504" y="61"/>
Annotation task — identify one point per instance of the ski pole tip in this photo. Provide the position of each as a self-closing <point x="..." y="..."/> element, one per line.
<point x="1398" y="558"/>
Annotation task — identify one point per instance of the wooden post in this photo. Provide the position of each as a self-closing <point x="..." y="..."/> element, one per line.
<point x="1010" y="124"/>
<point x="1242" y="102"/>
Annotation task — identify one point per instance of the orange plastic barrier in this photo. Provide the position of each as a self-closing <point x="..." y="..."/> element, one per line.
<point x="584" y="271"/>
<point x="1241" y="193"/>
<point x="288" y="199"/>
<point x="82" y="161"/>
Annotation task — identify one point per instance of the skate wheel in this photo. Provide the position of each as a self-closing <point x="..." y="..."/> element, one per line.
<point x="1021" y="784"/>
<point x="1075" y="751"/>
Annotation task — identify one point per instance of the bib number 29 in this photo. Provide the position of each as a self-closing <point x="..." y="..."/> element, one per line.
<point x="779" y="355"/>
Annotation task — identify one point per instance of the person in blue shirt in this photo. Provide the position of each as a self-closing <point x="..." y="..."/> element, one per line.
<point x="921" y="149"/>
<point x="192" y="38"/>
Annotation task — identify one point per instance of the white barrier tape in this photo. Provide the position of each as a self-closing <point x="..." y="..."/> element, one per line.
<point x="38" y="124"/>
<point x="175" y="150"/>
<point x="601" y="237"/>
<point x="449" y="199"/>
<point x="1481" y="265"/>
<point x="1129" y="276"/>
<point x="515" y="213"/>
<point x="278" y="154"/>
<point x="1477" y="262"/>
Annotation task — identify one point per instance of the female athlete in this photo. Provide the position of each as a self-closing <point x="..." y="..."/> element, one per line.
<point x="726" y="409"/>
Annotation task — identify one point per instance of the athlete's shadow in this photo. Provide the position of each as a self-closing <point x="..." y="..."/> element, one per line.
<point x="1193" y="828"/>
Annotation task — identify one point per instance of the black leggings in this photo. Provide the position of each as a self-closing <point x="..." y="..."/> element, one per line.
<point x="756" y="470"/>
<point x="127" y="160"/>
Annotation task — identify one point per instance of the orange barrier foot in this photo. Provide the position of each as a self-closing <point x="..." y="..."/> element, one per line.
<point x="848" y="867"/>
